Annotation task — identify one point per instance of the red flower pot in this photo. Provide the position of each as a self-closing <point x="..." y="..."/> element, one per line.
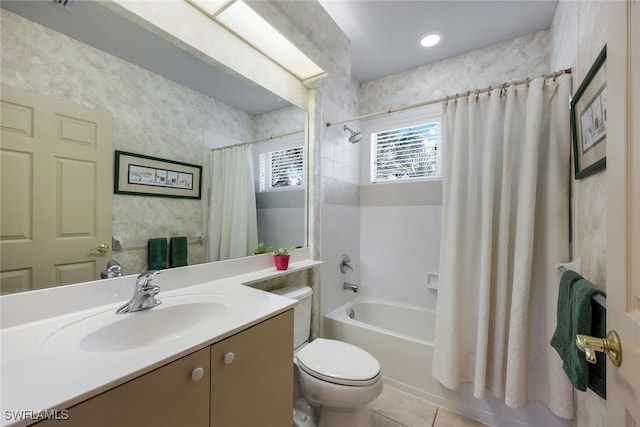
<point x="282" y="262"/>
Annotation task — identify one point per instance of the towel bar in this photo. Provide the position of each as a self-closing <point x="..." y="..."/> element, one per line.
<point x="118" y="245"/>
<point x="576" y="265"/>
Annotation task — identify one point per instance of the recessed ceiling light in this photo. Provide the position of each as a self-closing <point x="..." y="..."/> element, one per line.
<point x="430" y="39"/>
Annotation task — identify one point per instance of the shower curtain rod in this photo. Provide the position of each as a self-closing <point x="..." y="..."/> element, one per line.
<point x="259" y="140"/>
<point x="475" y="92"/>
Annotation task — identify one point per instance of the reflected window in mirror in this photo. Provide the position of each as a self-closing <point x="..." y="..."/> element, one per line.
<point x="279" y="173"/>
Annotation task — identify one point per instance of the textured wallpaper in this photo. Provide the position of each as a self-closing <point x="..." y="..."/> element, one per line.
<point x="151" y="116"/>
<point x="578" y="34"/>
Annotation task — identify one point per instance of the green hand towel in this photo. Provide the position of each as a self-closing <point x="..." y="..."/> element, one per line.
<point x="562" y="337"/>
<point x="178" y="252"/>
<point x="575" y="365"/>
<point x="157" y="253"/>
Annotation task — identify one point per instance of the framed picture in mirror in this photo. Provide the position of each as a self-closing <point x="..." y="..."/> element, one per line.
<point x="141" y="175"/>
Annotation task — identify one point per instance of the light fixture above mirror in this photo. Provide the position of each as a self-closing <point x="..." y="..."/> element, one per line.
<point x="245" y="23"/>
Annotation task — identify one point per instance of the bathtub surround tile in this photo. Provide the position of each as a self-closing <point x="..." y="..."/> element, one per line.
<point x="426" y="193"/>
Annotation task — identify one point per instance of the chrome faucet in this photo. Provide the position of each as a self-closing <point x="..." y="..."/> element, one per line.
<point x="350" y="287"/>
<point x="114" y="269"/>
<point x="143" y="295"/>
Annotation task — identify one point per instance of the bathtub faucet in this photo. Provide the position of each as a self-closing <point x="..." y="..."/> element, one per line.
<point x="350" y="287"/>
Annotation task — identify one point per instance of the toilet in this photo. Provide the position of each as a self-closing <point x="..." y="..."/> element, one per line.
<point x="335" y="377"/>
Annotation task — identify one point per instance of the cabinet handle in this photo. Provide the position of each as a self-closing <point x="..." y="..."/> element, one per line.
<point x="197" y="374"/>
<point x="228" y="358"/>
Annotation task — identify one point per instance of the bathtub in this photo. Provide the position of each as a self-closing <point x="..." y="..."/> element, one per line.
<point x="401" y="338"/>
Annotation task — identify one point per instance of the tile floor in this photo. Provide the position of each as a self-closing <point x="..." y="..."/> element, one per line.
<point x="394" y="408"/>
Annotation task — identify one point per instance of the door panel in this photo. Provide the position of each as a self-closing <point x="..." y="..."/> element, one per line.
<point x="623" y="209"/>
<point x="57" y="175"/>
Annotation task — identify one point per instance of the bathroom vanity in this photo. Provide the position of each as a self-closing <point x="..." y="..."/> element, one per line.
<point x="214" y="353"/>
<point x="243" y="380"/>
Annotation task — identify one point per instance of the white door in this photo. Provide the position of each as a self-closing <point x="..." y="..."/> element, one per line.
<point x="623" y="209"/>
<point x="56" y="177"/>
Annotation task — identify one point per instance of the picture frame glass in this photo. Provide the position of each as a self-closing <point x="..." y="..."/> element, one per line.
<point x="589" y="120"/>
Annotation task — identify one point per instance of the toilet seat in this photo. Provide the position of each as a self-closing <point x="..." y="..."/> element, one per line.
<point x="338" y="362"/>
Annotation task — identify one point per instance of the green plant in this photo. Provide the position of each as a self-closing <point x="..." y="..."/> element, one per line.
<point x="283" y="251"/>
<point x="261" y="249"/>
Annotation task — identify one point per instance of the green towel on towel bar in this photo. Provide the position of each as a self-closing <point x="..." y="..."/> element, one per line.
<point x="178" y="252"/>
<point x="576" y="316"/>
<point x="157" y="253"/>
<point x="562" y="337"/>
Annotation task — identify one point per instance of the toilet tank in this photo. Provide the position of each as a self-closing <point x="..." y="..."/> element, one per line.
<point x="301" y="311"/>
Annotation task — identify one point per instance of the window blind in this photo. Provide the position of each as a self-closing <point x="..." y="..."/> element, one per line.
<point x="282" y="169"/>
<point x="407" y="153"/>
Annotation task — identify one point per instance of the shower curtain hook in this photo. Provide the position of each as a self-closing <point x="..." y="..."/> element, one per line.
<point x="489" y="91"/>
<point x="477" y="94"/>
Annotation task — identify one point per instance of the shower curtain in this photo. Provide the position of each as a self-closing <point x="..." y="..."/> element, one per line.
<point x="233" y="224"/>
<point x="505" y="224"/>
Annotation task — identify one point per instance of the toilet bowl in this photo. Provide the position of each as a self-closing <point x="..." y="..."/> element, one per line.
<point x="337" y="377"/>
<point x="341" y="379"/>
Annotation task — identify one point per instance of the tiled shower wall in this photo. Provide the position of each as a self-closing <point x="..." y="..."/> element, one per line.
<point x="400" y="247"/>
<point x="340" y="211"/>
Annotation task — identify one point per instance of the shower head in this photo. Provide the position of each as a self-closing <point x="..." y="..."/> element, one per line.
<point x="355" y="136"/>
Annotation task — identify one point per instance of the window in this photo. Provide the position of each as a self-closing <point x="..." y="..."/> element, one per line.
<point x="407" y="153"/>
<point x="282" y="169"/>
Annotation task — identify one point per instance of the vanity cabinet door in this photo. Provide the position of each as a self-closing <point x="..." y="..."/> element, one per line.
<point x="252" y="376"/>
<point x="174" y="395"/>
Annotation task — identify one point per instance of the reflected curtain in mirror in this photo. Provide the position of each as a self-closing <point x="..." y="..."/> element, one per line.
<point x="232" y="221"/>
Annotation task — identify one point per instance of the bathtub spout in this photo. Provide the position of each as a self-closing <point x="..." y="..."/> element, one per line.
<point x="350" y="287"/>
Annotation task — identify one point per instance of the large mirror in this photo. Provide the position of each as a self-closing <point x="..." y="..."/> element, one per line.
<point x="163" y="102"/>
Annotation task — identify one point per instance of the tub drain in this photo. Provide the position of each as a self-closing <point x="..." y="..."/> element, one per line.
<point x="351" y="312"/>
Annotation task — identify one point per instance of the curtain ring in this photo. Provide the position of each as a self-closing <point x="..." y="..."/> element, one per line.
<point x="477" y="94"/>
<point x="489" y="91"/>
<point x="527" y="80"/>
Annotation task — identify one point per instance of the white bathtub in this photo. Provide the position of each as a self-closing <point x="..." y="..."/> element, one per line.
<point x="401" y="338"/>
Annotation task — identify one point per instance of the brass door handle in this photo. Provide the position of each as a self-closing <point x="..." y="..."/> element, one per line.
<point x="609" y="345"/>
<point x="103" y="248"/>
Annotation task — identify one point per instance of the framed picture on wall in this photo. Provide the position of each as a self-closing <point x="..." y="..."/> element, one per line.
<point x="141" y="175"/>
<point x="589" y="120"/>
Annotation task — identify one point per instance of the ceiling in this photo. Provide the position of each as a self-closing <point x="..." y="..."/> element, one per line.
<point x="384" y="38"/>
<point x="385" y="34"/>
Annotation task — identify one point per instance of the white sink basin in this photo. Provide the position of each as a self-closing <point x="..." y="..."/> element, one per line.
<point x="108" y="332"/>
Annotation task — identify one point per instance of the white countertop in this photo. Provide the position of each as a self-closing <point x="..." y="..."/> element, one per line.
<point x="40" y="374"/>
